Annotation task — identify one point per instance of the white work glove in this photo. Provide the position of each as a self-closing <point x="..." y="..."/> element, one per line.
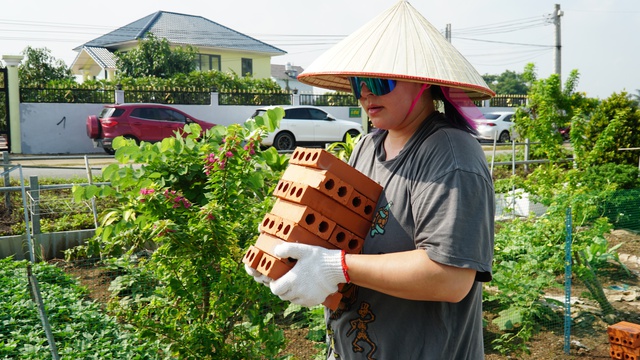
<point x="315" y="275"/>
<point x="257" y="276"/>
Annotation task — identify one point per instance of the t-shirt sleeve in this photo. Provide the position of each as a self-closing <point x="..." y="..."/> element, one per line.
<point x="454" y="218"/>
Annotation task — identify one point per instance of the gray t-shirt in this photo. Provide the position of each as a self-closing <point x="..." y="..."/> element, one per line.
<point x="438" y="196"/>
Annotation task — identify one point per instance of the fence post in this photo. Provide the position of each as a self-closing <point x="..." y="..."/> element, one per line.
<point x="215" y="97"/>
<point x="567" y="283"/>
<point x="34" y="189"/>
<point x="119" y="95"/>
<point x="296" y="97"/>
<point x="527" y="145"/>
<point x="7" y="180"/>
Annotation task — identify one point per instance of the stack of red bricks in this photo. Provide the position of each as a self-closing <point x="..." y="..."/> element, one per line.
<point x="321" y="201"/>
<point x="624" y="340"/>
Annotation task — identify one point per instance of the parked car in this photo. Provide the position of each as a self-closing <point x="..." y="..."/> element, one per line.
<point x="141" y="122"/>
<point x="307" y="126"/>
<point x="495" y="124"/>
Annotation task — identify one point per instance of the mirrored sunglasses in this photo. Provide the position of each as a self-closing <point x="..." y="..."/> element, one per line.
<point x="378" y="87"/>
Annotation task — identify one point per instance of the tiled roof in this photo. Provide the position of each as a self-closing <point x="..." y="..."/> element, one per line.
<point x="102" y="56"/>
<point x="183" y="29"/>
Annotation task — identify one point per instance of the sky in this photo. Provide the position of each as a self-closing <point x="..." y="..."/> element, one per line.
<point x="598" y="38"/>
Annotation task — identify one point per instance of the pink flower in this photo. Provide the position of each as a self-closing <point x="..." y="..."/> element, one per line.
<point x="229" y="154"/>
<point x="145" y="191"/>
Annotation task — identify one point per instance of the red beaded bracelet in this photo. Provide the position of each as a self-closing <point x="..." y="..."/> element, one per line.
<point x="345" y="268"/>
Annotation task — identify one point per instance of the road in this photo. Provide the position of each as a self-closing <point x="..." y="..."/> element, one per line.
<point x="58" y="167"/>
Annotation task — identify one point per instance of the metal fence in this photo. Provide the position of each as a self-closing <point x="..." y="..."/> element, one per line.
<point x="67" y="95"/>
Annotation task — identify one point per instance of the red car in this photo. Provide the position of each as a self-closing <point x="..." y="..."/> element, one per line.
<point x="141" y="122"/>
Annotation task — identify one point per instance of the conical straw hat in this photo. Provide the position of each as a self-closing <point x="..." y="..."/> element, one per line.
<point x="398" y="44"/>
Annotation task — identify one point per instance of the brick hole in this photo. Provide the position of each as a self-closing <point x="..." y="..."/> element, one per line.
<point x="342" y="191"/>
<point x="340" y="237"/>
<point x="323" y="227"/>
<point x="293" y="190"/>
<point x="299" y="192"/>
<point x="286" y="187"/>
<point x="280" y="185"/>
<point x="263" y="261"/>
<point x="286" y="230"/>
<point x="265" y="222"/>
<point x="315" y="156"/>
<point x="368" y="210"/>
<point x="356" y="202"/>
<point x="250" y="255"/>
<point x="353" y="244"/>
<point x="330" y="184"/>
<point x="306" y="156"/>
<point x="624" y="341"/>
<point x="295" y="154"/>
<point x="271" y="223"/>
<point x="310" y="219"/>
<point x="266" y="266"/>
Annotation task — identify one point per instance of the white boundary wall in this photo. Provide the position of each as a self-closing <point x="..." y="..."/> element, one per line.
<point x="61" y="128"/>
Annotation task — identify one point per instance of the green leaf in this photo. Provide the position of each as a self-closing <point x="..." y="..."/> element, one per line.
<point x="509" y="318"/>
<point x="78" y="193"/>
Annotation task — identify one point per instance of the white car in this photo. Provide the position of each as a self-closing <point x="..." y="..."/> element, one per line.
<point x="307" y="126"/>
<point x="495" y="125"/>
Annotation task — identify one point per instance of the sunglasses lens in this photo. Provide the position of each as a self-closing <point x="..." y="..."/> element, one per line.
<point x="378" y="87"/>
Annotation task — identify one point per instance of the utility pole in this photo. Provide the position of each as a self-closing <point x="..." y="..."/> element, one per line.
<point x="447" y="32"/>
<point x="557" y="14"/>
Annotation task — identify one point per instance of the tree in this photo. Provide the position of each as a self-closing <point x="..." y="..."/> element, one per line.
<point x="40" y="67"/>
<point x="507" y="83"/>
<point x="549" y="108"/>
<point x="154" y="57"/>
<point x="612" y="125"/>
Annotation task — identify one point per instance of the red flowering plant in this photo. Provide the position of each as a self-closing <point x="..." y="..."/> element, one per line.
<point x="192" y="205"/>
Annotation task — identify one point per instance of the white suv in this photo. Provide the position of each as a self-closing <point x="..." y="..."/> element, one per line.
<point x="495" y="125"/>
<point x="307" y="125"/>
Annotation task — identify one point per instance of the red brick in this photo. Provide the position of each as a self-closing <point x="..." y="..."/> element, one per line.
<point x="346" y="240"/>
<point x="322" y="159"/>
<point x="616" y="351"/>
<point x="274" y="267"/>
<point x="322" y="180"/>
<point x="267" y="242"/>
<point x="252" y="257"/>
<point x="287" y="230"/>
<point x="624" y="333"/>
<point x="306" y="195"/>
<point x="332" y="301"/>
<point x="362" y="205"/>
<point x="305" y="216"/>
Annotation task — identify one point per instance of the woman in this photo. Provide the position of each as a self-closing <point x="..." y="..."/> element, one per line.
<point x="415" y="291"/>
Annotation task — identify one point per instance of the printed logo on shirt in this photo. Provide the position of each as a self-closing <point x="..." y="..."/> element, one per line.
<point x="360" y="327"/>
<point x="380" y="220"/>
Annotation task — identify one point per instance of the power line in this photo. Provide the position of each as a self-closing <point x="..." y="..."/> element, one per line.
<point x="505" y="42"/>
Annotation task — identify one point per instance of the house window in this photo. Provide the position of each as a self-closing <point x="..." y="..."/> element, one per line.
<point x="247" y="67"/>
<point x="207" y="62"/>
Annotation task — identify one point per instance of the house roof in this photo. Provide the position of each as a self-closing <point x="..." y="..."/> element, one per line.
<point x="182" y="29"/>
<point x="102" y="56"/>
<point x="279" y="71"/>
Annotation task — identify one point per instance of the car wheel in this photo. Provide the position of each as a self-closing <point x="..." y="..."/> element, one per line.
<point x="131" y="137"/>
<point x="353" y="134"/>
<point x="284" y="141"/>
<point x="504" y="137"/>
<point x="109" y="151"/>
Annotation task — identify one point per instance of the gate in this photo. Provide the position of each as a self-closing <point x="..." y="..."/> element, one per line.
<point x="4" y="111"/>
